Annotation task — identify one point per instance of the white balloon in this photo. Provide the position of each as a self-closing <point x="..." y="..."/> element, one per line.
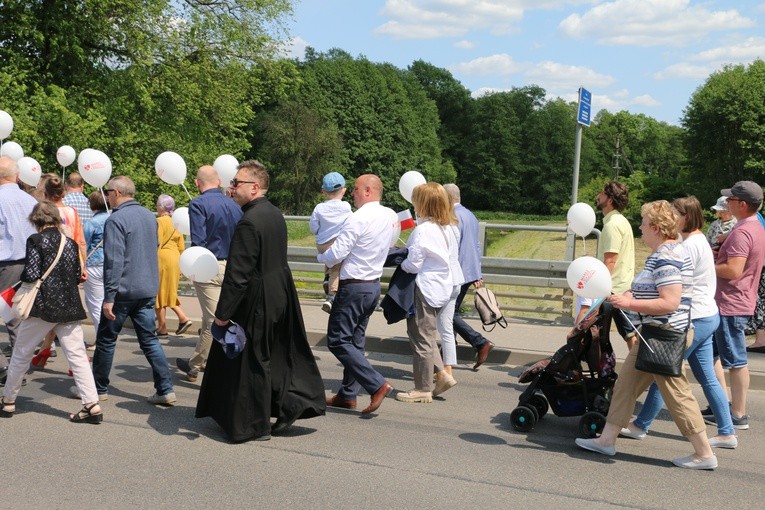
<point x="181" y="221"/>
<point x="6" y="124"/>
<point x="95" y="167"/>
<point x="589" y="277"/>
<point x="408" y="182"/>
<point x="581" y="218"/>
<point x="170" y="168"/>
<point x="65" y="155"/>
<point x="29" y="171"/>
<point x="12" y="150"/>
<point x="225" y="165"/>
<point x="198" y="264"/>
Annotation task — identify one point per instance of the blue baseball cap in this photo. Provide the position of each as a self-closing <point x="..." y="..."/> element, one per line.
<point x="333" y="181"/>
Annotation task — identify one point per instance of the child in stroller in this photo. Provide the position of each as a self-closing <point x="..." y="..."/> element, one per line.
<point x="561" y="383"/>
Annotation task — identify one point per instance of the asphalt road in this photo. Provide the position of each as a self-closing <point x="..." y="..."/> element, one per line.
<point x="458" y="452"/>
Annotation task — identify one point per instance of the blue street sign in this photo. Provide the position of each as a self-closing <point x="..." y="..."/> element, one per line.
<point x="585" y="102"/>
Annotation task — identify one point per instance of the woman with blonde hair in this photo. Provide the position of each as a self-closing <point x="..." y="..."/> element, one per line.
<point x="660" y="296"/>
<point x="428" y="258"/>
<point x="171" y="245"/>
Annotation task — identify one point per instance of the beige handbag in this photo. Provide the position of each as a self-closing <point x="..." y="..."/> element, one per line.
<point x="25" y="297"/>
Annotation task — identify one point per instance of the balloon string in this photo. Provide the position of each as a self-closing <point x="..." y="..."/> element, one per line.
<point x="106" y="202"/>
<point x="63" y="172"/>
<point x="187" y="191"/>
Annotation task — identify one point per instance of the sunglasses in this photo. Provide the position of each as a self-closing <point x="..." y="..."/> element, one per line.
<point x="236" y="182"/>
<point x="107" y="191"/>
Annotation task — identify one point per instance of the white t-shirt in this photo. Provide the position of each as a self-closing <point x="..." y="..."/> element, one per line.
<point x="704" y="278"/>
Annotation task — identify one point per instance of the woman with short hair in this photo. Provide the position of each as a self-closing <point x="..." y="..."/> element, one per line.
<point x="171" y="245"/>
<point x="660" y="296"/>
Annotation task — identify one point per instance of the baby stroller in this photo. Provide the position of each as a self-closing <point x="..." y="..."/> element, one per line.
<point x="562" y="384"/>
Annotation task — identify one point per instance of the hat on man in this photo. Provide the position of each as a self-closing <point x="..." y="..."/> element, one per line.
<point x="748" y="191"/>
<point x="333" y="181"/>
<point x="721" y="205"/>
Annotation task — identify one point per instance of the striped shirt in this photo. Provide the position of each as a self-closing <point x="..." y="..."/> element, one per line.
<point x="668" y="265"/>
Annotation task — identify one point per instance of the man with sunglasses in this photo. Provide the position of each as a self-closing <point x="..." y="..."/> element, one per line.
<point x="131" y="281"/>
<point x="738" y="264"/>
<point x="212" y="217"/>
<point x="275" y="374"/>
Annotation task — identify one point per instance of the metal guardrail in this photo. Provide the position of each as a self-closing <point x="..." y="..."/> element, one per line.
<point x="498" y="272"/>
<point x="504" y="275"/>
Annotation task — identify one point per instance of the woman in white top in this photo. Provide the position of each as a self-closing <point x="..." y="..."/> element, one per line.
<point x="428" y="257"/>
<point x="705" y="319"/>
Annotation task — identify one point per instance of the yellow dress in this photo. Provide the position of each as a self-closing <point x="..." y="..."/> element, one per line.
<point x="170" y="247"/>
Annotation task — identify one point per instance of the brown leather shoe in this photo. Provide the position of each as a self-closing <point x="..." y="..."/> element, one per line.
<point x="377" y="398"/>
<point x="336" y="401"/>
<point x="483" y="353"/>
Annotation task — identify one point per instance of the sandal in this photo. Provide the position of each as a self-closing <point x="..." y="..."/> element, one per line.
<point x="86" y="415"/>
<point x="5" y="408"/>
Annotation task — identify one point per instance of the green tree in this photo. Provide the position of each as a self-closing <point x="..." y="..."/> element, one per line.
<point x="387" y="123"/>
<point x="299" y="147"/>
<point x="725" y="123"/>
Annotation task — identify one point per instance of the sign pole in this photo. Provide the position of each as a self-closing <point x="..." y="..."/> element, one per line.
<point x="582" y="119"/>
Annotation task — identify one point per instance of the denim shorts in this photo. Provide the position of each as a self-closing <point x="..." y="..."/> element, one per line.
<point x="730" y="341"/>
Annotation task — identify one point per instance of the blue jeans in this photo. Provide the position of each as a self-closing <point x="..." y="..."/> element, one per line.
<point x="141" y="312"/>
<point x="730" y="341"/>
<point x="346" y="337"/>
<point x="461" y="328"/>
<point x="701" y="360"/>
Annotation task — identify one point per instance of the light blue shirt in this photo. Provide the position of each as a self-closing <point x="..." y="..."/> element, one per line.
<point x="469" y="247"/>
<point x="15" y="227"/>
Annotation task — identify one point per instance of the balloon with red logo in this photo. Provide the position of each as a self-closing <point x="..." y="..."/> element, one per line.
<point x="589" y="277"/>
<point x="29" y="171"/>
<point x="95" y="167"/>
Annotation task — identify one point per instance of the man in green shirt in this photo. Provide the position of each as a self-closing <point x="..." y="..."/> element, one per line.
<point x="617" y="248"/>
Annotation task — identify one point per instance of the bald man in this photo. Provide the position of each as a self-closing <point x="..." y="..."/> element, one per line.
<point x="213" y="217"/>
<point x="362" y="247"/>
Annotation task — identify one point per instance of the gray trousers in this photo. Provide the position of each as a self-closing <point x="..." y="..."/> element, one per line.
<point x="422" y="328"/>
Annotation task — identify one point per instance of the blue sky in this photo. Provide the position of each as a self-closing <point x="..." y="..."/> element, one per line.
<point x="643" y="56"/>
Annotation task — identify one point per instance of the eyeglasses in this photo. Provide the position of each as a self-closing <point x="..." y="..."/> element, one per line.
<point x="236" y="182"/>
<point x="107" y="191"/>
<point x="734" y="199"/>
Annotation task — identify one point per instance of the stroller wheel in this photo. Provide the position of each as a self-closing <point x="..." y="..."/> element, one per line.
<point x="523" y="418"/>
<point x="539" y="403"/>
<point x="592" y="424"/>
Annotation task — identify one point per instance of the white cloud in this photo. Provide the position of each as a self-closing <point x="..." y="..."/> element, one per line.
<point x="700" y="65"/>
<point x="464" y="45"/>
<point x="295" y="48"/>
<point x="554" y="77"/>
<point x="683" y="70"/>
<point x="430" y="19"/>
<point x="651" y="22"/>
<point x="743" y="51"/>
<point x="500" y="64"/>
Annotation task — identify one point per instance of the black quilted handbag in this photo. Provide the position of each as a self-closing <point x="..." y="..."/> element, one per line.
<point x="661" y="350"/>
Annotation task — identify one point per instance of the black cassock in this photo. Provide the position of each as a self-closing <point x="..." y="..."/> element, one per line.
<point x="276" y="374"/>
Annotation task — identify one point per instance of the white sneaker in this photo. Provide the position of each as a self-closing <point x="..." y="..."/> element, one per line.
<point x="411" y="396"/>
<point x="628" y="432"/>
<point x="167" y="399"/>
<point x="690" y="463"/>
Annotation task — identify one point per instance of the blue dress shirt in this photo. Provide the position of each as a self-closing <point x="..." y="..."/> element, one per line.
<point x="213" y="217"/>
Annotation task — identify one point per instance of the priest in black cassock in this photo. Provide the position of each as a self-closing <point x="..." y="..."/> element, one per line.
<point x="276" y="374"/>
